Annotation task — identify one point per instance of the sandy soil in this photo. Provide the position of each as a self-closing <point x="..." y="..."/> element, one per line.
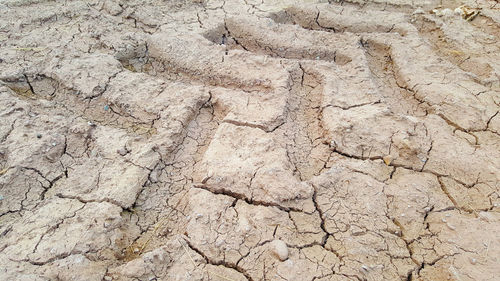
<point x="249" y="140"/>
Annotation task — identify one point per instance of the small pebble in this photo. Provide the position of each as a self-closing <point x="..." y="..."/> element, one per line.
<point x="122" y="151"/>
<point x="387" y="160"/>
<point x="1" y="197"/>
<point x="108" y="278"/>
<point x="280" y="249"/>
<point x="38" y="136"/>
<point x="106" y="107"/>
<point x="419" y="11"/>
<point x="333" y="144"/>
<point x="153" y="176"/>
<point x="473" y="261"/>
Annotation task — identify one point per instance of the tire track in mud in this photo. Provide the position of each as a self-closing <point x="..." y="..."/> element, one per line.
<point x="309" y="150"/>
<point x="400" y="100"/>
<point x="304" y="109"/>
<point x="303" y="127"/>
<point x="309" y="128"/>
<point x="391" y="82"/>
<point x="460" y="52"/>
<point x="158" y="210"/>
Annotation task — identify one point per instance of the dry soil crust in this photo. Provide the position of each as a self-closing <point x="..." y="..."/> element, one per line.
<point x="249" y="140"/>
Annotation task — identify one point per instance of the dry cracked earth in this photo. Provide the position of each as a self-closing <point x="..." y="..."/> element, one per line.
<point x="249" y="140"/>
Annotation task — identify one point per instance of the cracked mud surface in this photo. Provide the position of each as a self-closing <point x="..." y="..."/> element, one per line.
<point x="249" y="140"/>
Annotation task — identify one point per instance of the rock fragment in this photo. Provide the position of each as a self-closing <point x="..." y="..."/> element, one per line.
<point x="279" y="249"/>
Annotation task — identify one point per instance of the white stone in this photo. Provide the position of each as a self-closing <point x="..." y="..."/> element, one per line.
<point x="280" y="249"/>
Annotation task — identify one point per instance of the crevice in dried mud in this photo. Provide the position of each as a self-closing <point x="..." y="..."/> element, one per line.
<point x="250" y="125"/>
<point x="218" y="263"/>
<point x="407" y="243"/>
<point x="438" y="176"/>
<point x="29" y="84"/>
<point x="360" y="157"/>
<point x="7" y="134"/>
<point x="85" y="201"/>
<point x="20" y="86"/>
<point x="160" y="218"/>
<point x="322" y="218"/>
<point x="50" y="182"/>
<point x="242" y="197"/>
<point x="47" y="231"/>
